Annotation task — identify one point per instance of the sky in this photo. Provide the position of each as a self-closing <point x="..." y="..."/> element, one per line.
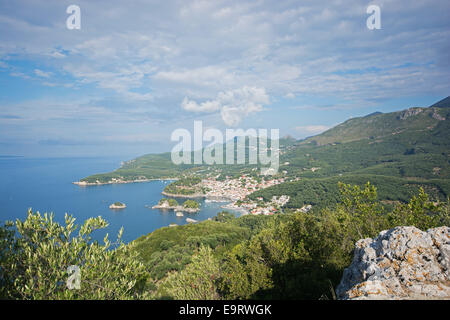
<point x="137" y="70"/>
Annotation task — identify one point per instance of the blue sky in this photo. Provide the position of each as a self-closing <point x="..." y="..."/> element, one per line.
<point x="137" y="70"/>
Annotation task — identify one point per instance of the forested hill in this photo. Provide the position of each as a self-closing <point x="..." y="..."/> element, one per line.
<point x="411" y="145"/>
<point x="381" y="125"/>
<point x="397" y="151"/>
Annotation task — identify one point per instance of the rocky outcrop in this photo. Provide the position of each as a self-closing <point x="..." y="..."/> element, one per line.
<point x="401" y="263"/>
<point x="436" y="115"/>
<point x="118" y="205"/>
<point x="409" y="113"/>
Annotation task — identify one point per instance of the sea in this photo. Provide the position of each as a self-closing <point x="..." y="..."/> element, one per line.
<point x="45" y="185"/>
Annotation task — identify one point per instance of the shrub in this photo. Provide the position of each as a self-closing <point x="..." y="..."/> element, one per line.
<point x="34" y="264"/>
<point x="196" y="282"/>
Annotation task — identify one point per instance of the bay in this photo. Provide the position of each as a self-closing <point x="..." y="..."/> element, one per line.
<point x="45" y="185"/>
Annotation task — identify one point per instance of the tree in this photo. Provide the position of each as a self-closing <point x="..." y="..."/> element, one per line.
<point x="197" y="281"/>
<point x="420" y="212"/>
<point x="362" y="210"/>
<point x="34" y="264"/>
<point x="223" y="216"/>
<point x="192" y="204"/>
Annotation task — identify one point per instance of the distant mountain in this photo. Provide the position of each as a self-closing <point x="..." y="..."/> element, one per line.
<point x="374" y="113"/>
<point x="381" y="125"/>
<point x="444" y="103"/>
<point x="399" y="150"/>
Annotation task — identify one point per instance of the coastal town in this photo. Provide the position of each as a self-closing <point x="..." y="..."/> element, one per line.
<point x="236" y="190"/>
<point x="232" y="190"/>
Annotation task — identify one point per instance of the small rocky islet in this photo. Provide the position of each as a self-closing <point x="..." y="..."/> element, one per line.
<point x="118" y="205"/>
<point x="189" y="206"/>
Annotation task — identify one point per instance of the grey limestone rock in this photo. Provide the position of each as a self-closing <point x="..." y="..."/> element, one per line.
<point x="401" y="263"/>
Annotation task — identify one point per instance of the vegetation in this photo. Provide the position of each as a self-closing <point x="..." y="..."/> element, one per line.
<point x="286" y="256"/>
<point x="184" y="186"/>
<point x="196" y="281"/>
<point x="34" y="264"/>
<point x="224" y="216"/>
<point x="171" y="202"/>
<point x="324" y="192"/>
<point x="398" y="151"/>
<point x="191" y="204"/>
<point x="295" y="255"/>
<point x="150" y="166"/>
<point x="289" y="256"/>
<point x="119" y="204"/>
<point x="170" y="249"/>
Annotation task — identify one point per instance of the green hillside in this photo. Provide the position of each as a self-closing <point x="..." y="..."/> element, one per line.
<point x="171" y="248"/>
<point x="380" y="126"/>
<point x="396" y="150"/>
<point x="150" y="166"/>
<point x="160" y="166"/>
<point x="324" y="192"/>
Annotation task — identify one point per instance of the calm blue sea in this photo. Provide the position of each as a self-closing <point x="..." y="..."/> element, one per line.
<point x="45" y="185"/>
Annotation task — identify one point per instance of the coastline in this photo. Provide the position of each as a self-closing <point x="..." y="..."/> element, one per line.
<point x="228" y="206"/>
<point x="186" y="196"/>
<point x="177" y="208"/>
<point x="63" y="196"/>
<point x="231" y="206"/>
<point x="98" y="183"/>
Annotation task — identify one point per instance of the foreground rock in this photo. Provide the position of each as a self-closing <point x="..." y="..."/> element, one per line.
<point x="401" y="263"/>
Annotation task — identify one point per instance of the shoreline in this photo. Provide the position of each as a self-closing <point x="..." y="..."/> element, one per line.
<point x="209" y="199"/>
<point x="187" y="196"/>
<point x="232" y="207"/>
<point x="86" y="184"/>
<point x="228" y="206"/>
<point x="176" y="208"/>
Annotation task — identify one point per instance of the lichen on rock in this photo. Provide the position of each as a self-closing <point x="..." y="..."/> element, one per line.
<point x="400" y="263"/>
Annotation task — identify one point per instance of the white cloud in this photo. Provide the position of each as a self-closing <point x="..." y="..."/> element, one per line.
<point x="57" y="54"/>
<point x="42" y="74"/>
<point x="122" y="80"/>
<point x="203" y="77"/>
<point x="234" y="105"/>
<point x="149" y="57"/>
<point x="207" y="106"/>
<point x="198" y="48"/>
<point x="20" y="75"/>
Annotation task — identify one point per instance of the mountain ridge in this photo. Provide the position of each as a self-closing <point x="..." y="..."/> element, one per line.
<point x="376" y="124"/>
<point x="410" y="145"/>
